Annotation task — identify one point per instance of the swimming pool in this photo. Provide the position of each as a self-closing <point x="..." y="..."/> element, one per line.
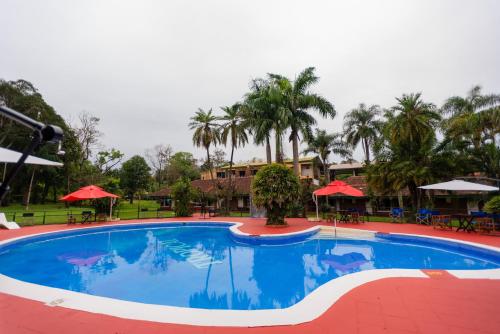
<point x="207" y="267"/>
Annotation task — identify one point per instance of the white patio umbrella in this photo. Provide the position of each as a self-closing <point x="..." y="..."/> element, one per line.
<point x="459" y="185"/>
<point x="9" y="156"/>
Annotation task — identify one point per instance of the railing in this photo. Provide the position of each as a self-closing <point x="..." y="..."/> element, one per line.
<point x="61" y="217"/>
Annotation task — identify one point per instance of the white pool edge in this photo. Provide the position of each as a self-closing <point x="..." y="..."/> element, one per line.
<point x="308" y="309"/>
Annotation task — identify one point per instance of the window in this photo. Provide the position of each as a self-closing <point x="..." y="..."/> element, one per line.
<point x="242" y="173"/>
<point x="254" y="171"/>
<point x="221" y="175"/>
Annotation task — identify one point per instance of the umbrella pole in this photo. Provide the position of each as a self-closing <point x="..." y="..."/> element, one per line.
<point x="110" y="209"/>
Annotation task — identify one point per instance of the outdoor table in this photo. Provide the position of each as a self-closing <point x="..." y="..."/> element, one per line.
<point x="345" y="216"/>
<point x="465" y="222"/>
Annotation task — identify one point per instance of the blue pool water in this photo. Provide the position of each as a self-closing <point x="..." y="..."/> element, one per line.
<point x="204" y="267"/>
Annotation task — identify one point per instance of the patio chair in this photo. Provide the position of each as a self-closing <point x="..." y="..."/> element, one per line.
<point x="86" y="217"/>
<point x="484" y="224"/>
<point x="357" y="218"/>
<point x="442" y="222"/>
<point x="396" y="215"/>
<point x="70" y="219"/>
<point x="423" y="216"/>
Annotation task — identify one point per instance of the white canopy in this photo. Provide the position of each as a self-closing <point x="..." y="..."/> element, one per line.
<point x="459" y="185"/>
<point x="9" y="156"/>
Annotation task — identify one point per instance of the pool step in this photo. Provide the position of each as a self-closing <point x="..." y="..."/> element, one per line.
<point x="328" y="233"/>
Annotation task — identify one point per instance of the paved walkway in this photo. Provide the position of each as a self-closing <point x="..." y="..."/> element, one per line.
<point x="441" y="304"/>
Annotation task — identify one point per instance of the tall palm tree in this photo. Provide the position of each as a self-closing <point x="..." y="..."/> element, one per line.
<point x="473" y="117"/>
<point x="361" y="126"/>
<point x="263" y="115"/>
<point x="297" y="101"/>
<point x="411" y="132"/>
<point x="323" y="144"/>
<point x="233" y="131"/>
<point x="206" y="133"/>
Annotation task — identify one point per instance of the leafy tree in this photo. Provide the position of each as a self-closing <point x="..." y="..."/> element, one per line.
<point x="134" y="176"/>
<point x="323" y="144"/>
<point x="23" y="97"/>
<point x="206" y="133"/>
<point x="181" y="165"/>
<point x="362" y="126"/>
<point x="106" y="160"/>
<point x="233" y="133"/>
<point x="217" y="160"/>
<point x="159" y="158"/>
<point x="275" y="188"/>
<point x="297" y="102"/>
<point x="407" y="149"/>
<point x="182" y="195"/>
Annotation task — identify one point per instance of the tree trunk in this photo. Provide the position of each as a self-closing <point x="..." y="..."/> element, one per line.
<point x="279" y="155"/>
<point x="229" y="193"/>
<point x="29" y="190"/>
<point x="295" y="147"/>
<point x="326" y="171"/>
<point x="367" y="151"/>
<point x="214" y="184"/>
<point x="268" y="151"/>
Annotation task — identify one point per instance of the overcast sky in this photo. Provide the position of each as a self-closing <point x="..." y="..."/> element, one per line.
<point x="144" y="67"/>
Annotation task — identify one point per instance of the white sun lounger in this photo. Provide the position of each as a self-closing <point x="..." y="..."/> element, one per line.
<point x="6" y="224"/>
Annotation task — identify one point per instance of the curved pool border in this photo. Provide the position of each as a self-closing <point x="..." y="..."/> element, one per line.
<point x="308" y="309"/>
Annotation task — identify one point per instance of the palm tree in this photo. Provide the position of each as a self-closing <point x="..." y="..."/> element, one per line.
<point x="407" y="148"/>
<point x="206" y="133"/>
<point x="361" y="126"/>
<point x="473" y="118"/>
<point x="297" y="101"/>
<point x="263" y="115"/>
<point x="233" y="130"/>
<point x="323" y="144"/>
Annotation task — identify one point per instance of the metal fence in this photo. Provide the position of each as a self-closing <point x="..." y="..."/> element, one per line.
<point x="24" y="218"/>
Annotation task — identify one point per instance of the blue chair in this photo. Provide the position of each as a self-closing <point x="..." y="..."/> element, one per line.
<point x="397" y="215"/>
<point x="423" y="216"/>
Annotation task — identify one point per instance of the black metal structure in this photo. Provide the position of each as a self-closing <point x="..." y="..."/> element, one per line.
<point x="42" y="133"/>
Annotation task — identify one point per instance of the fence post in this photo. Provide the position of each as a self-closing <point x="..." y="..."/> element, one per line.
<point x="14" y="216"/>
<point x="43" y="222"/>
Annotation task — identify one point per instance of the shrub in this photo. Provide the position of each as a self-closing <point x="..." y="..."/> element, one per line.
<point x="182" y="194"/>
<point x="275" y="188"/>
<point x="493" y="205"/>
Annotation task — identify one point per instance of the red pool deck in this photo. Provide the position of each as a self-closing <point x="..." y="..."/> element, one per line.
<point x="441" y="304"/>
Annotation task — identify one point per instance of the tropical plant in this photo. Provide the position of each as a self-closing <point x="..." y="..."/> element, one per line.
<point x="474" y="118"/>
<point x="182" y="194"/>
<point x="323" y="144"/>
<point x="362" y="126"/>
<point x="275" y="188"/>
<point x="206" y="133"/>
<point x="297" y="102"/>
<point x="233" y="133"/>
<point x="493" y="205"/>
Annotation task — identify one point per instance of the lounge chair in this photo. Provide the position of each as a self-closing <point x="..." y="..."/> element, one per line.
<point x="484" y="224"/>
<point x="423" y="216"/>
<point x="442" y="222"/>
<point x="397" y="215"/>
<point x="6" y="224"/>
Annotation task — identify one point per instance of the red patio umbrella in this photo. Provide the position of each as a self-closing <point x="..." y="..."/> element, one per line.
<point x="90" y="192"/>
<point x="335" y="187"/>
